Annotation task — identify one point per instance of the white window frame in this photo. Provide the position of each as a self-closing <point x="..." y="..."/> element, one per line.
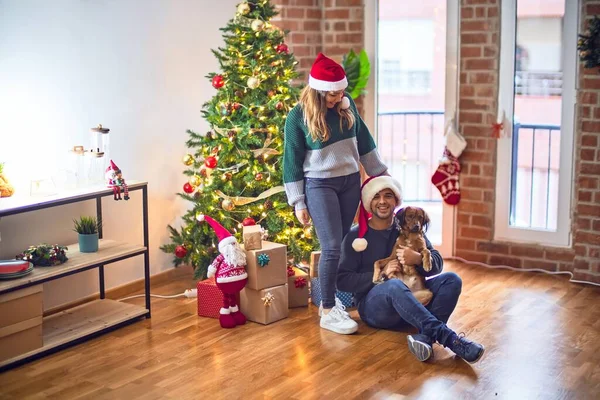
<point x="502" y="229"/>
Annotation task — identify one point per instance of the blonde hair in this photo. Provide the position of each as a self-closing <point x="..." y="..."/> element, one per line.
<point x="314" y="106"/>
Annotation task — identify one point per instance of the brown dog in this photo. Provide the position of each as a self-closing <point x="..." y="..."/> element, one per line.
<point x="411" y="222"/>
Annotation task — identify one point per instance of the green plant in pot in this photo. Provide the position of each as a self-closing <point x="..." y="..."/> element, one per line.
<point x="87" y="228"/>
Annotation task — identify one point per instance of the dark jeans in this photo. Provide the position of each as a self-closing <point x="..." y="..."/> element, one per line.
<point x="332" y="204"/>
<point x="391" y="305"/>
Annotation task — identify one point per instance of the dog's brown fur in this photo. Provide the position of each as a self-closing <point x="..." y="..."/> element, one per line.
<point x="411" y="222"/>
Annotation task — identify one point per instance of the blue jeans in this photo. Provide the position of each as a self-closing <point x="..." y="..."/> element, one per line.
<point x="391" y="305"/>
<point x="332" y="204"/>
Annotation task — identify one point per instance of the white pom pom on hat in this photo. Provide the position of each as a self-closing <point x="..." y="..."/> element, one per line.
<point x="345" y="103"/>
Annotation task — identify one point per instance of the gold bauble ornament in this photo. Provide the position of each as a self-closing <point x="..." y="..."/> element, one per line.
<point x="243" y="8"/>
<point x="308" y="232"/>
<point x="227" y="205"/>
<point x="257" y="25"/>
<point x="188" y="159"/>
<point x="253" y="82"/>
<point x="194" y="180"/>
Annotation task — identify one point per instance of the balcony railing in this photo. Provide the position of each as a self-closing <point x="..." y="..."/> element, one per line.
<point x="535" y="83"/>
<point x="411" y="144"/>
<point x="534" y="176"/>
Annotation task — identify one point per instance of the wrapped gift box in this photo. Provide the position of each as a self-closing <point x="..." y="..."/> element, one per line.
<point x="265" y="306"/>
<point x="266" y="267"/>
<point x="297" y="288"/>
<point x="252" y="235"/>
<point x="210" y="298"/>
<point x="315" y="294"/>
<point x="314" y="263"/>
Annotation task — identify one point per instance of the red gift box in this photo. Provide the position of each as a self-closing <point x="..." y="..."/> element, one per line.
<point x="210" y="298"/>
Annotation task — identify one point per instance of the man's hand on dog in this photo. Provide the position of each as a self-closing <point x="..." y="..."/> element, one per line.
<point x="391" y="268"/>
<point x="408" y="256"/>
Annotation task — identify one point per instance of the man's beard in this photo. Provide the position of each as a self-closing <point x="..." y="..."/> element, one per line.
<point x="234" y="255"/>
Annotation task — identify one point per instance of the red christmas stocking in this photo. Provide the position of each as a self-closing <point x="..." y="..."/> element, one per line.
<point x="446" y="177"/>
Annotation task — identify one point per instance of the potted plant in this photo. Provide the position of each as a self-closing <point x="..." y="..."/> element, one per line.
<point x="87" y="228"/>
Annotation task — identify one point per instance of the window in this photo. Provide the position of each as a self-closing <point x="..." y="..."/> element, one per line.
<point x="538" y="67"/>
<point x="405" y="66"/>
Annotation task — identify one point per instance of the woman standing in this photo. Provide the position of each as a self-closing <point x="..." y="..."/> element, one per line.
<point x="325" y="140"/>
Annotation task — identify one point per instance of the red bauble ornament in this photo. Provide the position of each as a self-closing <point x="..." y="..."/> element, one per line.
<point x="279" y="106"/>
<point x="218" y="81"/>
<point x="236" y="106"/>
<point x="188" y="188"/>
<point x="180" y="251"/>
<point x="248" y="222"/>
<point x="258" y="176"/>
<point x="282" y="48"/>
<point x="210" y="162"/>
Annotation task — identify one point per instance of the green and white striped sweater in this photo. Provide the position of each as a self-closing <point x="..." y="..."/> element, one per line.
<point x="339" y="156"/>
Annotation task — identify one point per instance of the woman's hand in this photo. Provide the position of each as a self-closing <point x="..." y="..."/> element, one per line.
<point x="408" y="256"/>
<point x="303" y="216"/>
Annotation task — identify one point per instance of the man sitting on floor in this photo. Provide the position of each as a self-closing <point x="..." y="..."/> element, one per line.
<point x="390" y="304"/>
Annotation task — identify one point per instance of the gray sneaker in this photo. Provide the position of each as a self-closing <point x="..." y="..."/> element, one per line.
<point x="420" y="346"/>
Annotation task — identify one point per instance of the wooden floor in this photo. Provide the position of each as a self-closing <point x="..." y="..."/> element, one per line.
<point x="542" y="336"/>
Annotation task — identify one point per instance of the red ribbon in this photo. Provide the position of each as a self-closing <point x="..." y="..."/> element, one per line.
<point x="300" y="282"/>
<point x="290" y="271"/>
<point x="497" y="129"/>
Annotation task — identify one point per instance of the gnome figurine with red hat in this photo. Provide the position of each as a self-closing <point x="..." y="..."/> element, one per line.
<point x="229" y="270"/>
<point x="115" y="180"/>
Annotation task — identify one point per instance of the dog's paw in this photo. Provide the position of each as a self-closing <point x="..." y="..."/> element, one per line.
<point x="426" y="260"/>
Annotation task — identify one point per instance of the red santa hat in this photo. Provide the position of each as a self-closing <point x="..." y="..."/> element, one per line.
<point x="370" y="188"/>
<point x="112" y="167"/>
<point x="225" y="238"/>
<point x="327" y="75"/>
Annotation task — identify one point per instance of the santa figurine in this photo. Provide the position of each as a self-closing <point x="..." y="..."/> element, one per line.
<point x="229" y="270"/>
<point x="114" y="180"/>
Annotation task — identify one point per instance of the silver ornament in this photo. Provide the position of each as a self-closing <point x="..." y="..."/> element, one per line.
<point x="257" y="25"/>
<point x="253" y="82"/>
<point x="243" y="8"/>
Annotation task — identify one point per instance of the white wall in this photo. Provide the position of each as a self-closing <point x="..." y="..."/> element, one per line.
<point x="137" y="67"/>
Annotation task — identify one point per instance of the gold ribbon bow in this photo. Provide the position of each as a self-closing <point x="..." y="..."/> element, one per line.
<point x="266" y="150"/>
<point x="241" y="201"/>
<point x="268" y="299"/>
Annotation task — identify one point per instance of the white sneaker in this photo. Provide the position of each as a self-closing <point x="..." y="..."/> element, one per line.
<point x="338" y="321"/>
<point x="338" y="304"/>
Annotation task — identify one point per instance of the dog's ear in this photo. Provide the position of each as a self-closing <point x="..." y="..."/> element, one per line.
<point x="426" y="221"/>
<point x="401" y="218"/>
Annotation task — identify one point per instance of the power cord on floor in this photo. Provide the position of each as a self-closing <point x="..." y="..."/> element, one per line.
<point x="189" y="293"/>
<point x="522" y="269"/>
<point x="193" y="293"/>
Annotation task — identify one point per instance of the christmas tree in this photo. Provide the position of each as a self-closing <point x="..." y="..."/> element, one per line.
<point x="234" y="171"/>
